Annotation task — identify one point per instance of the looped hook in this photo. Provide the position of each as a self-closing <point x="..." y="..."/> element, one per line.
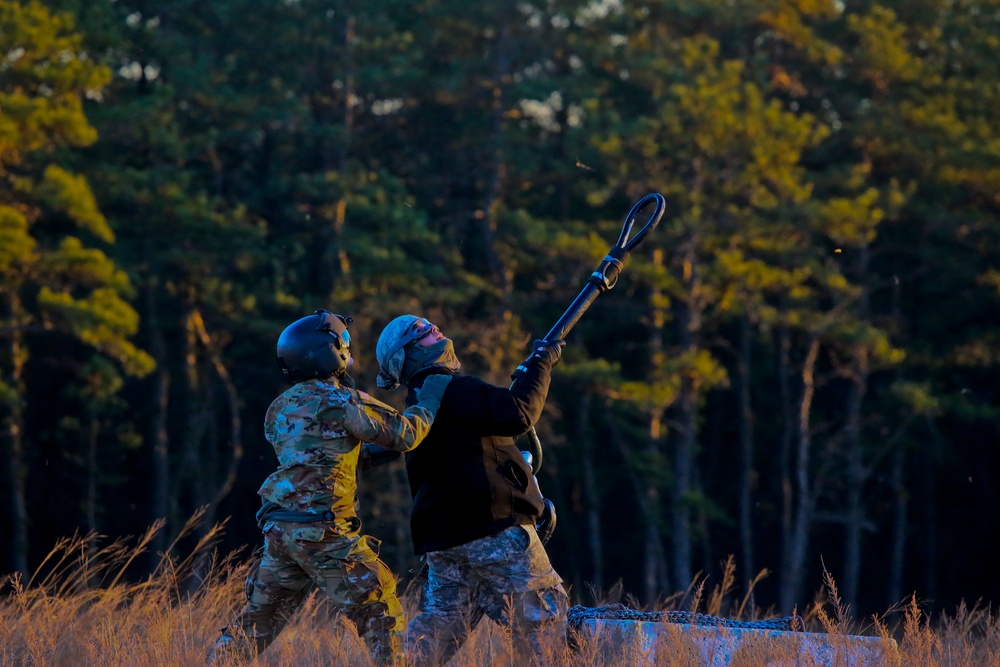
<point x="623" y="241"/>
<point x="606" y="275"/>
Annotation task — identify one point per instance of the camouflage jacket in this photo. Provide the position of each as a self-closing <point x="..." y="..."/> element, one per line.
<point x="316" y="428"/>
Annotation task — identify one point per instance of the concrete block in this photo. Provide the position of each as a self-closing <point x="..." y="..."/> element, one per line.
<point x="639" y="642"/>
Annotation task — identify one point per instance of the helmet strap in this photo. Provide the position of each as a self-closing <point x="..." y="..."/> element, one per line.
<point x="346" y="380"/>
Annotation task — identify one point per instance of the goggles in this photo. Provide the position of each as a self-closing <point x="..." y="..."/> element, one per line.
<point x="420" y="329"/>
<point x="344" y="336"/>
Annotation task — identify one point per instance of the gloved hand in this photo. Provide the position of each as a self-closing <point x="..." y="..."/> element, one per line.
<point x="430" y="393"/>
<point x="547" y="522"/>
<point x="548" y="352"/>
<point x="373" y="456"/>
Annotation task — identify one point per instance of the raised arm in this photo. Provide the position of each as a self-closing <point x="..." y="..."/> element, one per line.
<point x="373" y="421"/>
<point x="511" y="412"/>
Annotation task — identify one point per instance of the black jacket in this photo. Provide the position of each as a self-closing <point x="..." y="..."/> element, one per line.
<point x="467" y="478"/>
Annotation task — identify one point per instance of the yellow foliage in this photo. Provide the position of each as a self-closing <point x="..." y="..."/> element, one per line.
<point x="883" y="48"/>
<point x="17" y="247"/>
<point x="918" y="397"/>
<point x="103" y="320"/>
<point x="71" y="194"/>
<point x="45" y="110"/>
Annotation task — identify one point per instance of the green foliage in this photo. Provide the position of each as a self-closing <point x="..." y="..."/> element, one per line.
<point x="831" y="170"/>
<point x="48" y="276"/>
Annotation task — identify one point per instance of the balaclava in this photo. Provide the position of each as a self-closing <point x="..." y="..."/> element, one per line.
<point x="420" y="358"/>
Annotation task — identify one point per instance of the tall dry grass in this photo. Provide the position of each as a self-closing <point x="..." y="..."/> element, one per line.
<point x="79" y="609"/>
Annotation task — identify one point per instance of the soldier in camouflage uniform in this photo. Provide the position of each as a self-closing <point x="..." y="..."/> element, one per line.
<point x="476" y="503"/>
<point x="309" y="521"/>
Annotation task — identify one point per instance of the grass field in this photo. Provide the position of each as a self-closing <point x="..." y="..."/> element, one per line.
<point x="79" y="610"/>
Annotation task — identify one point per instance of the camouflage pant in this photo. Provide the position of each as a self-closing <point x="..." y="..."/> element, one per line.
<point x="507" y="577"/>
<point x="361" y="586"/>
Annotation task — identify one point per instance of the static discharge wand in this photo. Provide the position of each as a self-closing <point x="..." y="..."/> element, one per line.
<point x="604" y="278"/>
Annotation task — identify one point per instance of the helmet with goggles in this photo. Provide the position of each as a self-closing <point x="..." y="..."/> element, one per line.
<point x="389" y="351"/>
<point x="316" y="346"/>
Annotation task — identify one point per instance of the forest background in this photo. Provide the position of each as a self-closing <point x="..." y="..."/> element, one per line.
<point x="796" y="368"/>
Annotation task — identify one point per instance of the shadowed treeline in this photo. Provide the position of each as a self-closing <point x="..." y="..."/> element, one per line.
<point x="797" y="367"/>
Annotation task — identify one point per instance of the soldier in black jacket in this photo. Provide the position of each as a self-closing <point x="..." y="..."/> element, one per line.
<point x="475" y="500"/>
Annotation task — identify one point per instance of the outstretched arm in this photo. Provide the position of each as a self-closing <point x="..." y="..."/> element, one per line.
<point x="511" y="412"/>
<point x="373" y="421"/>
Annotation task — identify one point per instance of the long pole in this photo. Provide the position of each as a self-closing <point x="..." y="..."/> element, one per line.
<point x="604" y="278"/>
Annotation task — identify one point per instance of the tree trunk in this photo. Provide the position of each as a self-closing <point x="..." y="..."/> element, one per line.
<point x="157" y="433"/>
<point x="857" y="474"/>
<point x="192" y="465"/>
<point x="746" y="451"/>
<point x="787" y="434"/>
<point x="653" y="539"/>
<point x="340" y="216"/>
<point x="162" y="479"/>
<point x="225" y="485"/>
<point x="487" y="217"/>
<point x="656" y="579"/>
<point x="336" y="270"/>
<point x="856" y="477"/>
<point x="897" y="553"/>
<point x="689" y="326"/>
<point x="928" y="502"/>
<point x="90" y="502"/>
<point x="591" y="492"/>
<point x="647" y="495"/>
<point x="901" y="495"/>
<point x="681" y="488"/>
<point x="796" y="543"/>
<point x="12" y="359"/>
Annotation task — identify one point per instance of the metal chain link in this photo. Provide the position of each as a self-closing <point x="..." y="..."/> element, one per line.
<point x="578" y="614"/>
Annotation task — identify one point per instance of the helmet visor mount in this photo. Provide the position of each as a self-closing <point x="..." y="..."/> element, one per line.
<point x="341" y="339"/>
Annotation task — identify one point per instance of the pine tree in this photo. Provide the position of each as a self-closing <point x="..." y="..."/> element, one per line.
<point x="56" y="285"/>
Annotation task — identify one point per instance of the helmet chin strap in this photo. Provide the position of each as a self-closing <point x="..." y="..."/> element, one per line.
<point x="346" y="380"/>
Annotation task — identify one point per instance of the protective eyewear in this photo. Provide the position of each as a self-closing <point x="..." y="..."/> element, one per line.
<point x="344" y="336"/>
<point x="419" y="330"/>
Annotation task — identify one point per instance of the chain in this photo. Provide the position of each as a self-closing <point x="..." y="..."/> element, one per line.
<point x="578" y="614"/>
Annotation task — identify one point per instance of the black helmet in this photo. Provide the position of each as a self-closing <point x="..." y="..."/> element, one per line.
<point x="317" y="346"/>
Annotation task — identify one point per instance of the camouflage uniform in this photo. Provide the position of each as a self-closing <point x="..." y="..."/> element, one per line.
<point x="507" y="577"/>
<point x="475" y="500"/>
<point x="316" y="428"/>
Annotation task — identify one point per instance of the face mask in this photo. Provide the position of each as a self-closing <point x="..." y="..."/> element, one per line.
<point x="439" y="355"/>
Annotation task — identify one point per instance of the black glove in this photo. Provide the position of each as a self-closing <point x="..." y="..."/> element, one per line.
<point x="547" y="522"/>
<point x="548" y="352"/>
<point x="373" y="456"/>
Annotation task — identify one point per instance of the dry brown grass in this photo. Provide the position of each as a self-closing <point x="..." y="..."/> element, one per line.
<point x="80" y="610"/>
